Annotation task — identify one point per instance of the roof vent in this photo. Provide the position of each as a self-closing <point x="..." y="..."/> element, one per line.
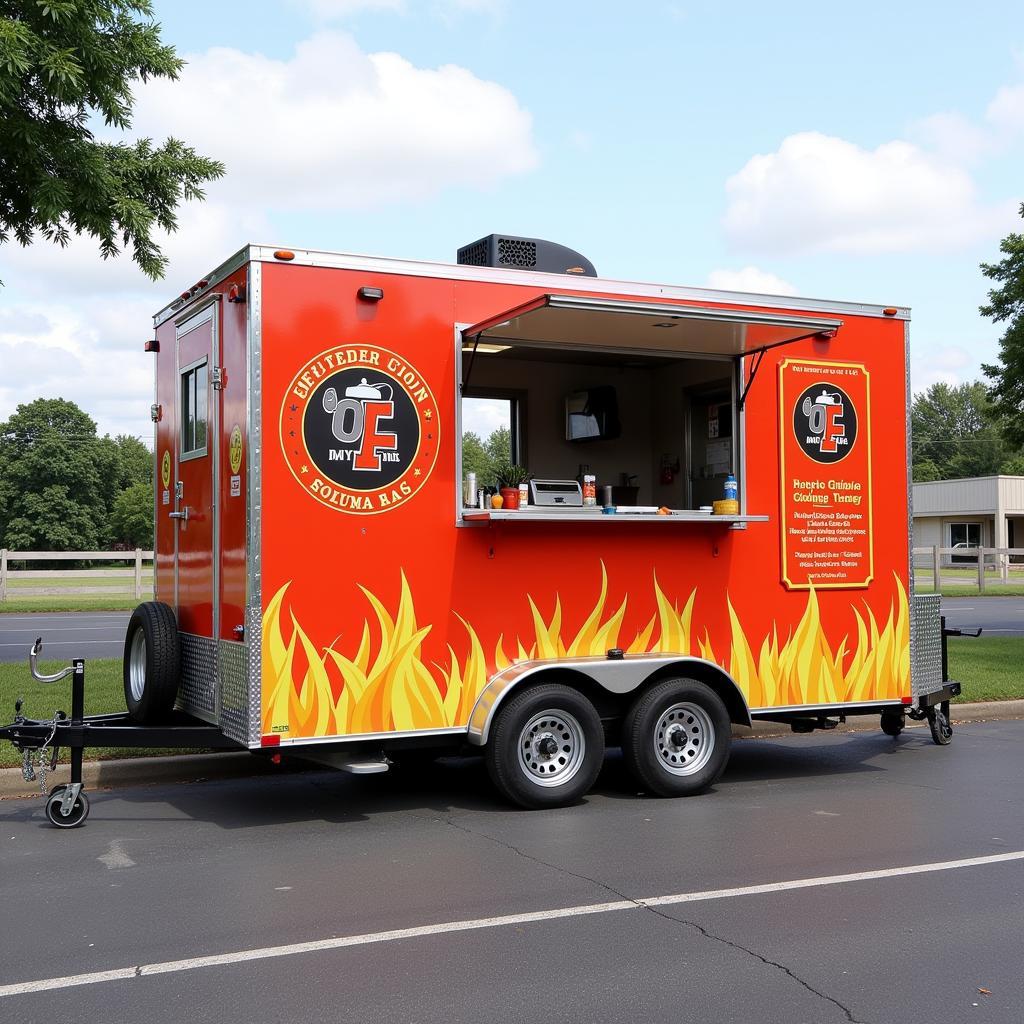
<point x="525" y="254"/>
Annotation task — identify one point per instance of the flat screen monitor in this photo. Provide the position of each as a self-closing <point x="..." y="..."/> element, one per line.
<point x="592" y="415"/>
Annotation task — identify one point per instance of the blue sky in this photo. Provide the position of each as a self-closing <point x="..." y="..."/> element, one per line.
<point x="867" y="152"/>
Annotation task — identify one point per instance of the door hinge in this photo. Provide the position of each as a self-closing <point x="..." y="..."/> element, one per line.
<point x="217" y="377"/>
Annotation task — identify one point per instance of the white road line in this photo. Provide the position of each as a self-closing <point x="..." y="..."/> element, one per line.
<point x="476" y="924"/>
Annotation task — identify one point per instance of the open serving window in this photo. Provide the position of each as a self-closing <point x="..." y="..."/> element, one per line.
<point x="646" y="397"/>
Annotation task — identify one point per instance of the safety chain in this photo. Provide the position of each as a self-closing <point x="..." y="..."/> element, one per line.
<point x="44" y="765"/>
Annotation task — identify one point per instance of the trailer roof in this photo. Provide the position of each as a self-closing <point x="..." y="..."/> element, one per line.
<point x="550" y="283"/>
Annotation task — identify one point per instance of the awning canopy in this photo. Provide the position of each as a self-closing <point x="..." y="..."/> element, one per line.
<point x="657" y="328"/>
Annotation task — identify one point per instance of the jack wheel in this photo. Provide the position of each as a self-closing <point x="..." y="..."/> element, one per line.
<point x="78" y="813"/>
<point x="892" y="723"/>
<point x="939" y="723"/>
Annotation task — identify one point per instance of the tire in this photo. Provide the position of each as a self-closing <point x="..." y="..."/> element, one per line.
<point x="152" y="663"/>
<point x="939" y="724"/>
<point x="676" y="737"/>
<point x="546" y="747"/>
<point x="75" y="817"/>
<point x="892" y="723"/>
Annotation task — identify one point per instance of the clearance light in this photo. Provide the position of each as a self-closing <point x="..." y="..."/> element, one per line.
<point x="370" y="294"/>
<point x="890" y="311"/>
<point x="284" y="254"/>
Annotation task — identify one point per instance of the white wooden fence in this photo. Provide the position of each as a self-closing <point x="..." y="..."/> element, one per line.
<point x="7" y="575"/>
<point x="997" y="559"/>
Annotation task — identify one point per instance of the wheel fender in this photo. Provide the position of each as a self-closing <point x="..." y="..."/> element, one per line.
<point x="618" y="676"/>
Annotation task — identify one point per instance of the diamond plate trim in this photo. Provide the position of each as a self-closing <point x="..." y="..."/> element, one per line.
<point x="254" y="629"/>
<point x="198" y="691"/>
<point x="925" y="644"/>
<point x="233" y="659"/>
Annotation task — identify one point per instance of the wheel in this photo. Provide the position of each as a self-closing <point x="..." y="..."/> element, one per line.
<point x="78" y="813"/>
<point x="676" y="737"/>
<point x="546" y="747"/>
<point x="892" y="723"/>
<point x="939" y="723"/>
<point x="152" y="663"/>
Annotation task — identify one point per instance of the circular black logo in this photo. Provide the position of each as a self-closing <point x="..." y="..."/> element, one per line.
<point x="825" y="422"/>
<point x="361" y="428"/>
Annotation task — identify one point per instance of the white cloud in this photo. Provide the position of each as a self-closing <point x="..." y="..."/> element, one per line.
<point x="91" y="355"/>
<point x="819" y="192"/>
<point x="1006" y="111"/>
<point x="750" y="279"/>
<point x="954" y="137"/>
<point x="336" y="127"/>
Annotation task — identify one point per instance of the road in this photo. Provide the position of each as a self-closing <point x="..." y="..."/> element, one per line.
<point x="323" y="897"/>
<point x="1000" y="616"/>
<point x="65" y="634"/>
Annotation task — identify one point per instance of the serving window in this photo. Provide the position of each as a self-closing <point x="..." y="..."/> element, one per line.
<point x="646" y="398"/>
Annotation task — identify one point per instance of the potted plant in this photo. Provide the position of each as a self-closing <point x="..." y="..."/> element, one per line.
<point x="509" y="477"/>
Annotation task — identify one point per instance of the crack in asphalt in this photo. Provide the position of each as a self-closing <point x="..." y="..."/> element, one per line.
<point x="767" y="961"/>
<point x="452" y="823"/>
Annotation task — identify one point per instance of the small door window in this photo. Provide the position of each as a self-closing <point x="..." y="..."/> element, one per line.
<point x="193" y="411"/>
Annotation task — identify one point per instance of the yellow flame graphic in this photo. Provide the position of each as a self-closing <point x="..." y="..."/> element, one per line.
<point x="390" y="688"/>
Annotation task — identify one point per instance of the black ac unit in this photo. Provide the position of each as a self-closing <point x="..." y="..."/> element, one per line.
<point x="525" y="254"/>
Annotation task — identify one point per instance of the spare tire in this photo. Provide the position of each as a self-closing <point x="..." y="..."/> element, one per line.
<point x="152" y="663"/>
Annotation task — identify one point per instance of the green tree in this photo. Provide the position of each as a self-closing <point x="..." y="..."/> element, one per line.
<point x="63" y="63"/>
<point x="132" y="517"/>
<point x="474" y="457"/>
<point x="52" y="519"/>
<point x="499" y="447"/>
<point x="956" y="433"/>
<point x="1006" y="305"/>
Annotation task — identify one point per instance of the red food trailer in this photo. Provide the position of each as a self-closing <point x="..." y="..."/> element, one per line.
<point x="331" y="583"/>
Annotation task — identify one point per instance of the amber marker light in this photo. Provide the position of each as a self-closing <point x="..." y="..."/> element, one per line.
<point x="284" y="254"/>
<point x="890" y="311"/>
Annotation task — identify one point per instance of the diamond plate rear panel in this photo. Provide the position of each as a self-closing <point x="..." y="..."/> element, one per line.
<point x="234" y="695"/>
<point x="198" y="691"/>
<point x="925" y="644"/>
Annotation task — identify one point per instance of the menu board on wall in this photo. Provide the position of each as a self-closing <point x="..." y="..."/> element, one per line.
<point x="825" y="467"/>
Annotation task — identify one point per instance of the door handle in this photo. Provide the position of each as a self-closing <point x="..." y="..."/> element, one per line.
<point x="182" y="515"/>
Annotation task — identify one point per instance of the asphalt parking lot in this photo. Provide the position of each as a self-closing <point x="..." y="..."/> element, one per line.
<point x="322" y="897"/>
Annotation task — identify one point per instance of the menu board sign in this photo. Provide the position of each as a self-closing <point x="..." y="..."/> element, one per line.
<point x="825" y="467"/>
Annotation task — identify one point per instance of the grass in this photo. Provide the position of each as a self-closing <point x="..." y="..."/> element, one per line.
<point x="989" y="667"/>
<point x="954" y="590"/>
<point x="71" y="603"/>
<point x="104" y="693"/>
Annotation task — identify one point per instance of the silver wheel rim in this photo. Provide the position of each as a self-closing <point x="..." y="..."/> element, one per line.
<point x="137" y="665"/>
<point x="684" y="739"/>
<point x="551" y="748"/>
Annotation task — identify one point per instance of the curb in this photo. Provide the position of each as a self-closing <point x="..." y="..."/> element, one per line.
<point x="151" y="771"/>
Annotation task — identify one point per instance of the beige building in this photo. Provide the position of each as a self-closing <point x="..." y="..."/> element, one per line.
<point x="981" y="511"/>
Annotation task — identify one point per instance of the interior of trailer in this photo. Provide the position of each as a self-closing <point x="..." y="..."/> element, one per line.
<point x="646" y="397"/>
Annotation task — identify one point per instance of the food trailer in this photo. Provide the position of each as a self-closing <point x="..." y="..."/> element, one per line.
<point x="332" y="584"/>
